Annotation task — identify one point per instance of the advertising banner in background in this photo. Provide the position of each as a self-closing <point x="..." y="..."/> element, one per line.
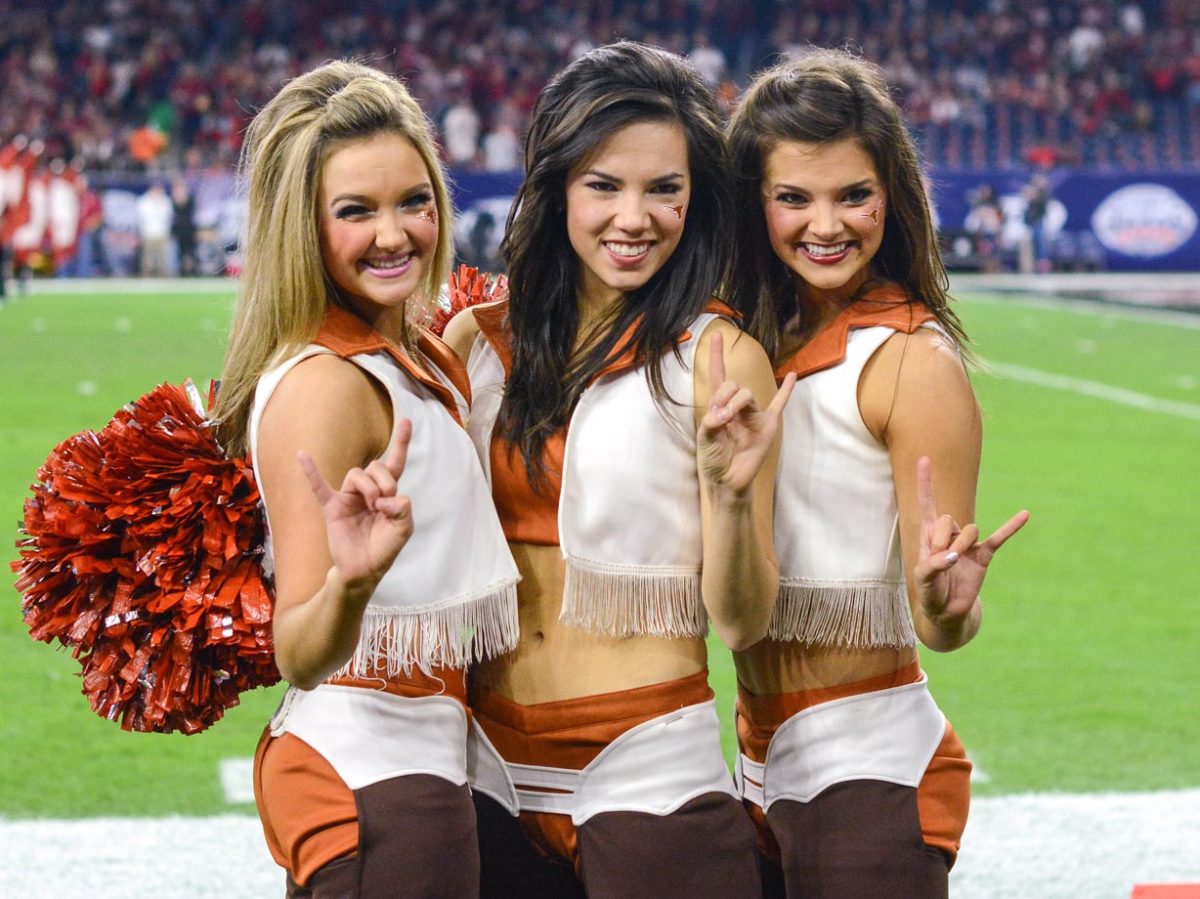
<point x="1141" y="221"/>
<point x="1120" y="221"/>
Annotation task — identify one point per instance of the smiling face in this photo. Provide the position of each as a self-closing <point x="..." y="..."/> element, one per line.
<point x="626" y="208"/>
<point x="825" y="208"/>
<point x="378" y="226"/>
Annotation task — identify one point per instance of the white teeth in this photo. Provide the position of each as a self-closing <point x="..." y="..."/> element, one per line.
<point x="628" y="249"/>
<point x="817" y="249"/>
<point x="389" y="263"/>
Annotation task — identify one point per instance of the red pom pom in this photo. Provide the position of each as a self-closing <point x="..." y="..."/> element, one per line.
<point x="469" y="287"/>
<point x="142" y="553"/>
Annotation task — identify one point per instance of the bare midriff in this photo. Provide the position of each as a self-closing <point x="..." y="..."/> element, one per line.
<point x="772" y="667"/>
<point x="556" y="661"/>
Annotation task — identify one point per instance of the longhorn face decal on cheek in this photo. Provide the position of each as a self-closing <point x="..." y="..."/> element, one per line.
<point x="678" y="210"/>
<point x="873" y="212"/>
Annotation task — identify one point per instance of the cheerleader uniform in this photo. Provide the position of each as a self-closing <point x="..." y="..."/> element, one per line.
<point x="859" y="789"/>
<point x="628" y="788"/>
<point x="361" y="783"/>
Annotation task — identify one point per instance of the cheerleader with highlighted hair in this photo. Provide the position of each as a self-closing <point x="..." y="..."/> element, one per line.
<point x="391" y="571"/>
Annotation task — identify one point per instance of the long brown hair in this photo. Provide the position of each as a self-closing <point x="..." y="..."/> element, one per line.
<point x="284" y="287"/>
<point x="606" y="89"/>
<point x="826" y="96"/>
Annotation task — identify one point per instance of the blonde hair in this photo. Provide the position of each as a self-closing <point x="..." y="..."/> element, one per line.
<point x="284" y="287"/>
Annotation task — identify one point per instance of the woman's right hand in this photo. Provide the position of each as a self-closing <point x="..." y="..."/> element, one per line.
<point x="735" y="435"/>
<point x="366" y="520"/>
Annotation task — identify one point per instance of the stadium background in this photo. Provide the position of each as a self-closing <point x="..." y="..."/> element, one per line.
<point x="1078" y="701"/>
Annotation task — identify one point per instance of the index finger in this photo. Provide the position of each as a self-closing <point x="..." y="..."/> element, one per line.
<point x="1006" y="530"/>
<point x="397" y="455"/>
<point x="925" y="498"/>
<point x="716" y="360"/>
<point x="316" y="480"/>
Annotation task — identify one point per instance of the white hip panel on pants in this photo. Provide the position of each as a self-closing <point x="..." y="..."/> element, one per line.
<point x="888" y="735"/>
<point x="369" y="735"/>
<point x="655" y="768"/>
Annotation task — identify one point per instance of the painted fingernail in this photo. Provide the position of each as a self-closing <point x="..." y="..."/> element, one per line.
<point x="951" y="557"/>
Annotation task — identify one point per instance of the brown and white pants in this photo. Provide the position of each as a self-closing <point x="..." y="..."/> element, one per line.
<point x="361" y="788"/>
<point x="857" y="791"/>
<point x="617" y="795"/>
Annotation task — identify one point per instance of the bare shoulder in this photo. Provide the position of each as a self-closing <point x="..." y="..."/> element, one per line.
<point x="744" y="356"/>
<point x="327" y="404"/>
<point x="462" y="330"/>
<point x="914" y="376"/>
<point x="745" y="362"/>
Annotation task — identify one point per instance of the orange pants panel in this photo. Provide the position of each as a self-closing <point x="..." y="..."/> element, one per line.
<point x="308" y="813"/>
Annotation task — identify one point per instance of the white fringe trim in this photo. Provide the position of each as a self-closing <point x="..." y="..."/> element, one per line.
<point x="850" y="614"/>
<point x="396" y="640"/>
<point x="629" y="600"/>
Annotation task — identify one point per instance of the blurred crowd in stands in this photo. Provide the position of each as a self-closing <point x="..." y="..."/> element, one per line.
<point x="161" y="90"/>
<point x="137" y="83"/>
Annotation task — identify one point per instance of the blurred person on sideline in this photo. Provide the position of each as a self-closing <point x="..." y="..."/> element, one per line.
<point x="183" y="225"/>
<point x="64" y="212"/>
<point x="460" y="127"/>
<point x="629" y="431"/>
<point x="857" y="782"/>
<point x="984" y="222"/>
<point x="1034" y="252"/>
<point x="155" y="214"/>
<point x="391" y="571"/>
<point x="88" y="259"/>
<point x="31" y="223"/>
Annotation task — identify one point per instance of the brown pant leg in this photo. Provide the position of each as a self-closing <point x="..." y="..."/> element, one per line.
<point x="337" y="880"/>
<point x="857" y="840"/>
<point x="704" y="849"/>
<point x="416" y="840"/>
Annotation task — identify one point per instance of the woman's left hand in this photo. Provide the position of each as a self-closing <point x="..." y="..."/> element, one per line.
<point x="952" y="562"/>
<point x="735" y="436"/>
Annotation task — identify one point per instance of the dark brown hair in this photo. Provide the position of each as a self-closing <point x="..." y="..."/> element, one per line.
<point x="826" y="96"/>
<point x="603" y="91"/>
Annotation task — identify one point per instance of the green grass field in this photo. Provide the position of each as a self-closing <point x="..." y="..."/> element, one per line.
<point x="1084" y="677"/>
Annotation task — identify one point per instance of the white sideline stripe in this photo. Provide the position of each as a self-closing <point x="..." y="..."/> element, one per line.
<point x="1094" y="389"/>
<point x="1031" y="846"/>
<point x="237" y="779"/>
<point x="1097" y="308"/>
<point x="106" y="286"/>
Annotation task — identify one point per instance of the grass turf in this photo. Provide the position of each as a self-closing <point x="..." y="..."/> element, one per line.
<point x="1082" y="678"/>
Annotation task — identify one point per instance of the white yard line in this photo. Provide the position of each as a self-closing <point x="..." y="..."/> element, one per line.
<point x="1094" y="389"/>
<point x="1035" y="846"/>
<point x="237" y="779"/>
